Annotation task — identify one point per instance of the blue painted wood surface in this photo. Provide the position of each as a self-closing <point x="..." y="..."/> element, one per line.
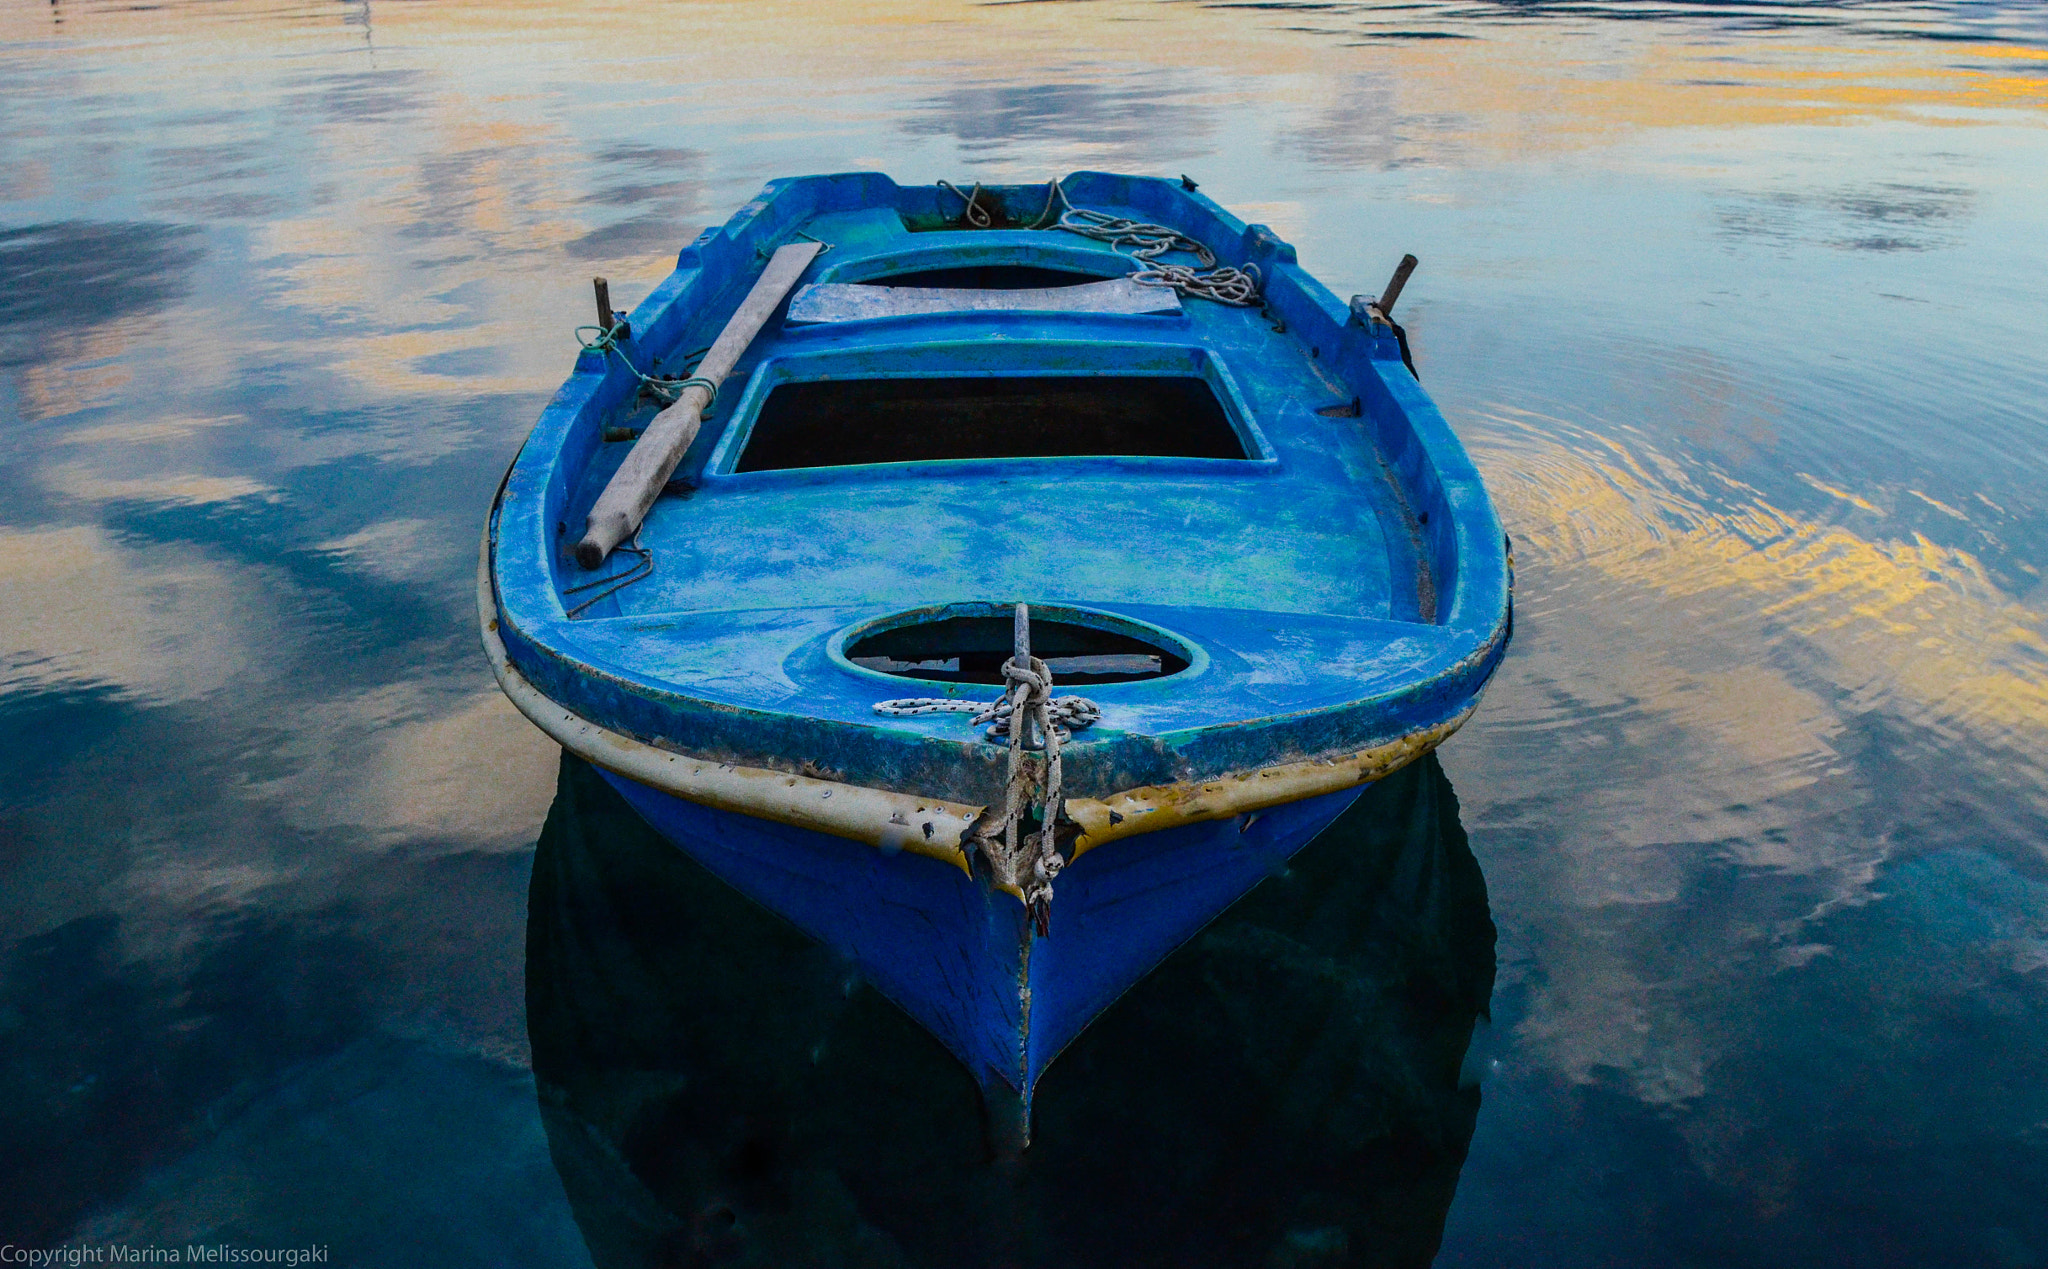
<point x="960" y="957"/>
<point x="1345" y="585"/>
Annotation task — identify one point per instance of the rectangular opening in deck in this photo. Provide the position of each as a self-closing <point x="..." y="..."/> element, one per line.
<point x="845" y="422"/>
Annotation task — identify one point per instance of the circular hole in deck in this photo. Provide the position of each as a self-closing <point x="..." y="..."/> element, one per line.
<point x="954" y="646"/>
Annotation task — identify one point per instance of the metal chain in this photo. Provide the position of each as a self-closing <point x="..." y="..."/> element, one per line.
<point x="1069" y="713"/>
<point x="1028" y="717"/>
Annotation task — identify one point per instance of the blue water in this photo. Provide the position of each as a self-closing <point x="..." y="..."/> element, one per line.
<point x="1738" y="306"/>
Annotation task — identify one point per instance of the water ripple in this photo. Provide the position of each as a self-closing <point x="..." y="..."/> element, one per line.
<point x="1688" y="558"/>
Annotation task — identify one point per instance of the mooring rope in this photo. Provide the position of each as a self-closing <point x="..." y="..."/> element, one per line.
<point x="976" y="214"/>
<point x="1031" y="710"/>
<point x="666" y="390"/>
<point x="1027" y="712"/>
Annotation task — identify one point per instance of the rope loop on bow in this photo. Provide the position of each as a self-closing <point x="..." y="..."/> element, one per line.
<point x="1034" y="724"/>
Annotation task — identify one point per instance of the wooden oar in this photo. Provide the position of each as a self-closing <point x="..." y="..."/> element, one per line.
<point x="638" y="481"/>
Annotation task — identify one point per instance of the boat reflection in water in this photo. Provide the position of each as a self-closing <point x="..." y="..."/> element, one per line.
<point x="1284" y="1090"/>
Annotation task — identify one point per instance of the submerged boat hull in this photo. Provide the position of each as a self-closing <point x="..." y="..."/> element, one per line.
<point x="963" y="958"/>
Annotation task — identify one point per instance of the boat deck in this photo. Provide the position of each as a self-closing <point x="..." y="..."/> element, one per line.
<point x="1304" y="572"/>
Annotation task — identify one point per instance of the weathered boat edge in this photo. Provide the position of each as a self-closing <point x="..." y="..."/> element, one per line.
<point x="1458" y="532"/>
<point x="1151" y="808"/>
<point x="931" y="826"/>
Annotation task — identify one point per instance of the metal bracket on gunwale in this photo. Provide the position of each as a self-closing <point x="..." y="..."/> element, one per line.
<point x="1371" y="310"/>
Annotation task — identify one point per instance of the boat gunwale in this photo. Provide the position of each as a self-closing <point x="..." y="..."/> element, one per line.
<point x="1428" y="464"/>
<point x="799" y="800"/>
<point x="1465" y="542"/>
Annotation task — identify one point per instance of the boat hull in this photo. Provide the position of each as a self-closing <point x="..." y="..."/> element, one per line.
<point x="1243" y="529"/>
<point x="963" y="958"/>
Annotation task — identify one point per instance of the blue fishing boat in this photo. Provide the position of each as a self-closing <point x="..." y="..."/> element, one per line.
<point x="997" y="583"/>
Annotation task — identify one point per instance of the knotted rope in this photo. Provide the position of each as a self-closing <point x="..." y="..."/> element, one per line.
<point x="665" y="391"/>
<point x="1028" y="717"/>
<point x="1017" y="863"/>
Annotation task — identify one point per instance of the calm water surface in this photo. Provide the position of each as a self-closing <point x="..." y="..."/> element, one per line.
<point x="1740" y="307"/>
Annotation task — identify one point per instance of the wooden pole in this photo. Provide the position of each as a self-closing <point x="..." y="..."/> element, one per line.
<point x="604" y="303"/>
<point x="1020" y="649"/>
<point x="638" y="481"/>
<point x="1020" y="636"/>
<point x="1399" y="280"/>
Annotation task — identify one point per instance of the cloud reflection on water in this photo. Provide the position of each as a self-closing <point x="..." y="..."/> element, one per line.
<point x="1152" y="114"/>
<point x="1885" y="216"/>
<point x="1777" y="700"/>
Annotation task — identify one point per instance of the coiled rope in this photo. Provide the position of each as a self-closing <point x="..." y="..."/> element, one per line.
<point x="1146" y="242"/>
<point x="1142" y="241"/>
